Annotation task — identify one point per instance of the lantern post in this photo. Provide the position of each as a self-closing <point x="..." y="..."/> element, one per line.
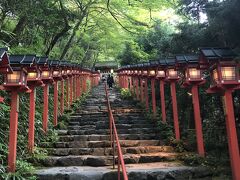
<point x="15" y="82"/>
<point x="225" y="79"/>
<point x="70" y="76"/>
<point x="141" y="82"/>
<point x="145" y="76"/>
<point x="152" y="76"/>
<point x="46" y="77"/>
<point x="193" y="77"/>
<point x="161" y="75"/>
<point x="63" y="65"/>
<point x="136" y="82"/>
<point x="57" y="76"/>
<point x="172" y="77"/>
<point x="33" y="80"/>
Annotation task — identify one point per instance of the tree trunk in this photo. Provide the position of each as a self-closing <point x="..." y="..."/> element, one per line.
<point x="67" y="46"/>
<point x="18" y="30"/>
<point x="56" y="38"/>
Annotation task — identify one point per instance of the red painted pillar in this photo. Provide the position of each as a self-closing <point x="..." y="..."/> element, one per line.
<point x="71" y="90"/>
<point x="80" y="87"/>
<point x="84" y="84"/>
<point x="162" y="96"/>
<point x="31" y="120"/>
<point x="137" y="88"/>
<point x="55" y="104"/>
<point x="126" y="82"/>
<point x="232" y="135"/>
<point x="13" y="132"/>
<point x="198" y="121"/>
<point x="67" y="93"/>
<point x="45" y="107"/>
<point x="146" y="94"/>
<point x="130" y="84"/>
<point x="175" y="111"/>
<point x="62" y="98"/>
<point x="141" y="90"/>
<point x="153" y="97"/>
<point x="75" y="88"/>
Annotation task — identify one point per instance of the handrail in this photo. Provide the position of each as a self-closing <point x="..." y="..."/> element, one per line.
<point x="114" y="137"/>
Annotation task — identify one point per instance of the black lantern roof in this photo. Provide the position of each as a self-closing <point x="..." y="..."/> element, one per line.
<point x="170" y="61"/>
<point x="162" y="62"/>
<point x="140" y="65"/>
<point x="63" y="63"/>
<point x="153" y="63"/>
<point x="29" y="60"/>
<point x="42" y="60"/>
<point x="218" y="53"/>
<point x="146" y="64"/>
<point x="16" y="59"/>
<point x="189" y="58"/>
<point x="54" y="63"/>
<point x="3" y="51"/>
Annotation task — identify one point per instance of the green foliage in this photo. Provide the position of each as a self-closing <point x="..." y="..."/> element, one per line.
<point x="165" y="130"/>
<point x="125" y="93"/>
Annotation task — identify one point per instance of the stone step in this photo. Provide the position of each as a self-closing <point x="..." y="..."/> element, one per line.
<point x="102" y="144"/>
<point x="106" y="125"/>
<point x="96" y="161"/>
<point x="93" y="122"/>
<point x="97" y="137"/>
<point x="148" y="171"/>
<point x="106" y="131"/>
<point x="108" y="151"/>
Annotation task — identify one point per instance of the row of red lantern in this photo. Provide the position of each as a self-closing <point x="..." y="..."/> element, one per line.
<point x="191" y="71"/>
<point x="23" y="73"/>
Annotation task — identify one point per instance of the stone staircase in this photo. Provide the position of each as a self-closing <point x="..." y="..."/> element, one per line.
<point x="84" y="149"/>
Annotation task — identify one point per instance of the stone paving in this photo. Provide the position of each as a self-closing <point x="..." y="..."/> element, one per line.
<point x="83" y="151"/>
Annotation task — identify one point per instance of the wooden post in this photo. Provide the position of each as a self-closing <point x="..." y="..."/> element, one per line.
<point x="175" y="110"/>
<point x="162" y="96"/>
<point x="146" y="94"/>
<point x="71" y="90"/>
<point x="55" y="104"/>
<point x="31" y="119"/>
<point x="141" y="90"/>
<point x="137" y="88"/>
<point x="153" y="96"/>
<point x="232" y="135"/>
<point x="13" y="131"/>
<point x="45" y="107"/>
<point x="67" y="93"/>
<point x="198" y="120"/>
<point x="62" y="98"/>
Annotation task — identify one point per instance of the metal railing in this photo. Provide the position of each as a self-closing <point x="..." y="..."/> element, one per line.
<point x="115" y="140"/>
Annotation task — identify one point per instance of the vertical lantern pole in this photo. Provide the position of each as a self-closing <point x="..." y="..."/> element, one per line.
<point x="141" y="90"/>
<point x="85" y="83"/>
<point x="71" y="90"/>
<point x="31" y="120"/>
<point x="55" y="110"/>
<point x="162" y="96"/>
<point x="232" y="135"/>
<point x="146" y="94"/>
<point x="175" y="110"/>
<point x="137" y="88"/>
<point x="79" y="86"/>
<point x="198" y="121"/>
<point x="45" y="107"/>
<point x="62" y="98"/>
<point x="130" y="84"/>
<point x="153" y="96"/>
<point x="13" y="131"/>
<point x="67" y="93"/>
